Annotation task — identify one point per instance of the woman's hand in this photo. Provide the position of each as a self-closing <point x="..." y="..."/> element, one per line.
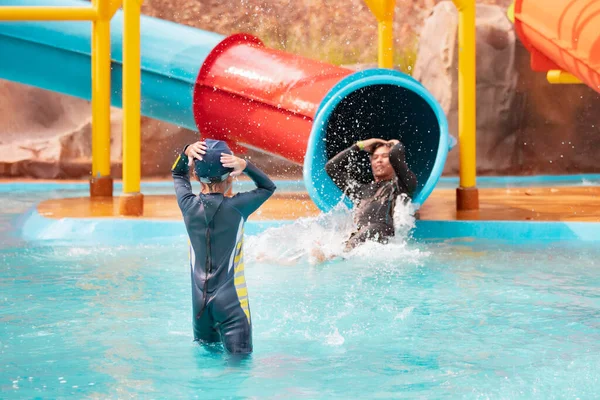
<point x="230" y="161"/>
<point x="195" y="151"/>
<point x="367" y="145"/>
<point x="393" y="142"/>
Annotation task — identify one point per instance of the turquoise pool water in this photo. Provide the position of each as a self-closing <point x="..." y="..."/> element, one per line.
<point x="437" y="319"/>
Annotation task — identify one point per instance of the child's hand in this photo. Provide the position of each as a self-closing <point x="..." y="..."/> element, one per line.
<point x="195" y="150"/>
<point x="229" y="161"/>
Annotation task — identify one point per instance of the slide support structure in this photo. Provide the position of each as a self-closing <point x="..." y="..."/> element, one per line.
<point x="41" y="13"/>
<point x="101" y="181"/>
<point x="100" y="14"/>
<point x="559" y="77"/>
<point x="386" y="43"/>
<point x="383" y="10"/>
<point x="467" y="195"/>
<point x="132" y="201"/>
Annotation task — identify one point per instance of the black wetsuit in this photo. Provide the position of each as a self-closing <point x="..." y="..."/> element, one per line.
<point x="215" y="225"/>
<point x="375" y="201"/>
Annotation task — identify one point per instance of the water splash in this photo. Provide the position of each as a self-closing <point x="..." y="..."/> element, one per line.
<point x="314" y="240"/>
<point x="589" y="182"/>
<point x="335" y="338"/>
<point x="293" y="242"/>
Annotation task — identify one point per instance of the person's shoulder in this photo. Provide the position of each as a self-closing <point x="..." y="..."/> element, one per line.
<point x="195" y="200"/>
<point x="231" y="203"/>
<point x="235" y="198"/>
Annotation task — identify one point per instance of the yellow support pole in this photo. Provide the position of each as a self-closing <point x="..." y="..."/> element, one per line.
<point x="114" y="7"/>
<point x="35" y="13"/>
<point x="467" y="195"/>
<point x="559" y="77"/>
<point x="383" y="10"/>
<point x="101" y="183"/>
<point x="386" y="44"/>
<point x="132" y="201"/>
<point x="510" y="12"/>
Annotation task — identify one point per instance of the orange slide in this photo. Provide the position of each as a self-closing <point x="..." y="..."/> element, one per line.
<point x="563" y="37"/>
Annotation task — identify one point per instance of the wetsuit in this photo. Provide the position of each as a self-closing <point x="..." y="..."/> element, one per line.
<point x="215" y="225"/>
<point x="375" y="201"/>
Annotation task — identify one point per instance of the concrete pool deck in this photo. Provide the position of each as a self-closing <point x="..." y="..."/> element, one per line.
<point x="514" y="204"/>
<point x="517" y="209"/>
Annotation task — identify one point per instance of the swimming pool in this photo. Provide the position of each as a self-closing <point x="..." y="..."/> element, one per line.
<point x="434" y="319"/>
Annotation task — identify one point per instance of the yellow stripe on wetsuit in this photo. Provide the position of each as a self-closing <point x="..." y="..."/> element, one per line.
<point x="239" y="279"/>
<point x="176" y="162"/>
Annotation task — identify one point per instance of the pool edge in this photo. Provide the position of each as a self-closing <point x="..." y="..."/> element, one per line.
<point x="34" y="227"/>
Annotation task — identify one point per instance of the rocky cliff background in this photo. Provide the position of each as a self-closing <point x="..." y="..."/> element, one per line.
<point x="525" y="125"/>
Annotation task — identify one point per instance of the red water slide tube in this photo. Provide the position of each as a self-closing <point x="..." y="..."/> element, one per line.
<point x="249" y="94"/>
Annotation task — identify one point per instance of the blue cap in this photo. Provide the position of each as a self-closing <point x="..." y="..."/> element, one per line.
<point x="210" y="169"/>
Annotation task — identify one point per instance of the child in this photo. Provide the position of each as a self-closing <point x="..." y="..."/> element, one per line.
<point x="215" y="225"/>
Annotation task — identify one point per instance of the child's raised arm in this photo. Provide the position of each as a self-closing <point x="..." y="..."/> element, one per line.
<point x="248" y="202"/>
<point x="181" y="174"/>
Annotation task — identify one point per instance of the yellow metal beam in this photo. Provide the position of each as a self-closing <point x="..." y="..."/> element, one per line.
<point x="466" y="92"/>
<point x="385" y="52"/>
<point x="101" y="85"/>
<point x="462" y="4"/>
<point x="131" y="202"/>
<point x="131" y="97"/>
<point x="383" y="10"/>
<point x="561" y="77"/>
<point x="31" y="13"/>
<point x="467" y="195"/>
<point x="510" y="13"/>
<point x="114" y="7"/>
<point x="103" y="7"/>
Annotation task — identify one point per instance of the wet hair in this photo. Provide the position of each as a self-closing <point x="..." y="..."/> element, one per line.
<point x="378" y="145"/>
<point x="216" y="187"/>
<point x="211" y="186"/>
